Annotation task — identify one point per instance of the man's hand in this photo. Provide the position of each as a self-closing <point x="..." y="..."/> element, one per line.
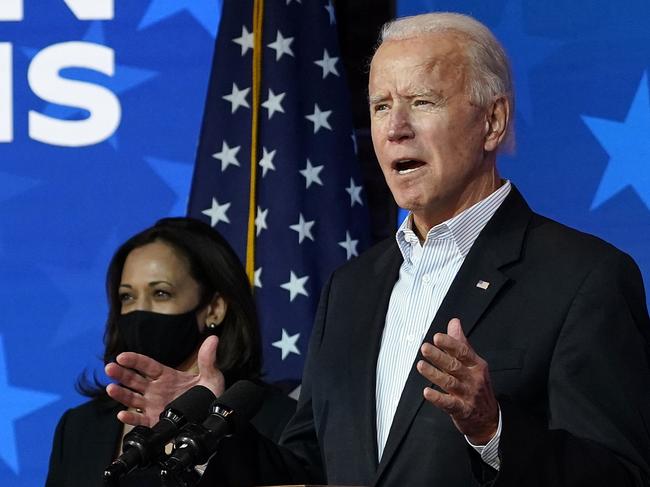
<point x="452" y="365"/>
<point x="148" y="386"/>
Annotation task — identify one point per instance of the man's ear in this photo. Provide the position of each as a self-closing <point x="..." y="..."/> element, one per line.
<point x="497" y="121"/>
<point x="217" y="309"/>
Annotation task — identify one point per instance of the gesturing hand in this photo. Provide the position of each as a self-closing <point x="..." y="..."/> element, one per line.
<point x="451" y="364"/>
<point x="148" y="386"/>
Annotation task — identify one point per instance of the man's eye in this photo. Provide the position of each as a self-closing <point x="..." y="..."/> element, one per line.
<point x="418" y="103"/>
<point x="381" y="107"/>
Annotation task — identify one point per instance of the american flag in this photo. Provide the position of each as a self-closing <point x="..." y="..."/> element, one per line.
<point x="307" y="213"/>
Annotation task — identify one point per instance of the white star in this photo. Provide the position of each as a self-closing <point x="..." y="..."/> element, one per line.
<point x="295" y="286"/>
<point x="273" y="103"/>
<point x="246" y="40"/>
<point x="257" y="278"/>
<point x="237" y="98"/>
<point x="330" y="10"/>
<point x="227" y="156"/>
<point x="217" y="212"/>
<point x="287" y="344"/>
<point x="319" y="119"/>
<point x="349" y="245"/>
<point x="281" y="46"/>
<point x="328" y="64"/>
<point x="355" y="193"/>
<point x="266" y="162"/>
<point x="303" y="228"/>
<point x="260" y="221"/>
<point x="312" y="174"/>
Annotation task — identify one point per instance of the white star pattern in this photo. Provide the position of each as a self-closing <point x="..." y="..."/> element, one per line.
<point x="217" y="212"/>
<point x="303" y="228"/>
<point x="245" y="41"/>
<point x="330" y="10"/>
<point x="266" y="162"/>
<point x="273" y="103"/>
<point x="287" y="344"/>
<point x="281" y="46"/>
<point x="319" y="118"/>
<point x="295" y="286"/>
<point x="308" y="197"/>
<point x="355" y="193"/>
<point x="237" y="98"/>
<point x="227" y="156"/>
<point x="311" y="174"/>
<point x="328" y="64"/>
<point x="257" y="278"/>
<point x="260" y="221"/>
<point x="350" y="246"/>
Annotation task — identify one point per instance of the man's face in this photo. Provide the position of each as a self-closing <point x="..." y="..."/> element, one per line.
<point x="430" y="139"/>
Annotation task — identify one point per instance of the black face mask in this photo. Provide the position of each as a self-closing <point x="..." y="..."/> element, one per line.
<point x="168" y="339"/>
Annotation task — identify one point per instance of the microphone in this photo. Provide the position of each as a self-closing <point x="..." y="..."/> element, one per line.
<point x="197" y="443"/>
<point x="143" y="445"/>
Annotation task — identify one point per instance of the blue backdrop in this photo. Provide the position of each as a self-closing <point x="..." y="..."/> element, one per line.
<point x="74" y="182"/>
<point x="70" y="193"/>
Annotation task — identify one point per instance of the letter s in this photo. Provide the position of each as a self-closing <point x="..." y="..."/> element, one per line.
<point x="103" y="105"/>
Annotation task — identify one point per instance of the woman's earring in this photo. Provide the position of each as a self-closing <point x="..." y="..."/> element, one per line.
<point x="213" y="325"/>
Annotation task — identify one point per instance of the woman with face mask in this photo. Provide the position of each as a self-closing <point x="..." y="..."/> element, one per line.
<point x="172" y="290"/>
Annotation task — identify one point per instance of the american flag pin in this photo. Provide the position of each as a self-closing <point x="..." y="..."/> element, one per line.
<point x="483" y="284"/>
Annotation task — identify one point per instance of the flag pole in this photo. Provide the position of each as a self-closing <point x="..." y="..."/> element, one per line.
<point x="258" y="20"/>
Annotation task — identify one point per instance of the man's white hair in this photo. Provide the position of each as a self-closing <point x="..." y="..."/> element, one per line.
<point x="490" y="73"/>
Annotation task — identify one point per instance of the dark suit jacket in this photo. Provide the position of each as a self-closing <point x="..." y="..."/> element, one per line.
<point x="87" y="437"/>
<point x="564" y="327"/>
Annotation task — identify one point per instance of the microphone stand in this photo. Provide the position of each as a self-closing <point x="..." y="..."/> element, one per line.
<point x="186" y="477"/>
<point x="194" y="446"/>
<point x="143" y="446"/>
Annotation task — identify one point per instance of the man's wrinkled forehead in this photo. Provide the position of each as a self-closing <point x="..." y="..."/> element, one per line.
<point x="443" y="54"/>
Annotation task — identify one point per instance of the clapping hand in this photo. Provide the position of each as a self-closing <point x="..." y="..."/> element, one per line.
<point x="145" y="386"/>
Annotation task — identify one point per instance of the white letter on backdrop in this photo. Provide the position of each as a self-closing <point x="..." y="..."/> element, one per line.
<point x="103" y="105"/>
<point x="6" y="94"/>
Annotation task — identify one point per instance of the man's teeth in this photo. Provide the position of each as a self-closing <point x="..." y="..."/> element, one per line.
<point x="406" y="171"/>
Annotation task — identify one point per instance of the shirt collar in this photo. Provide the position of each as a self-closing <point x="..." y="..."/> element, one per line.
<point x="464" y="228"/>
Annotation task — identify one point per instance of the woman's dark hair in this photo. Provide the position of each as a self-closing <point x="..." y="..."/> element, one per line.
<point x="216" y="268"/>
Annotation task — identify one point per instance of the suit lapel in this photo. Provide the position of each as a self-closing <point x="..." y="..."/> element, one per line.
<point x="499" y="244"/>
<point x="374" y="296"/>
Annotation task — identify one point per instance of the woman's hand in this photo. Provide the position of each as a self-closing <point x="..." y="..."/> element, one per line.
<point x="146" y="386"/>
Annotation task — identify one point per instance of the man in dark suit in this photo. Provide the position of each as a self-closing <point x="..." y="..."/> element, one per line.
<point x="488" y="345"/>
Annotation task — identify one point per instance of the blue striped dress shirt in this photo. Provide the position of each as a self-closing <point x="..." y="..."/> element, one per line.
<point x="424" y="279"/>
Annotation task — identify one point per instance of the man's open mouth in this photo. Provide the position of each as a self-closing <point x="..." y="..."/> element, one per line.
<point x="406" y="166"/>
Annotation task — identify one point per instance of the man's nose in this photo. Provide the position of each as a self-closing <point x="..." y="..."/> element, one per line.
<point x="399" y="125"/>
